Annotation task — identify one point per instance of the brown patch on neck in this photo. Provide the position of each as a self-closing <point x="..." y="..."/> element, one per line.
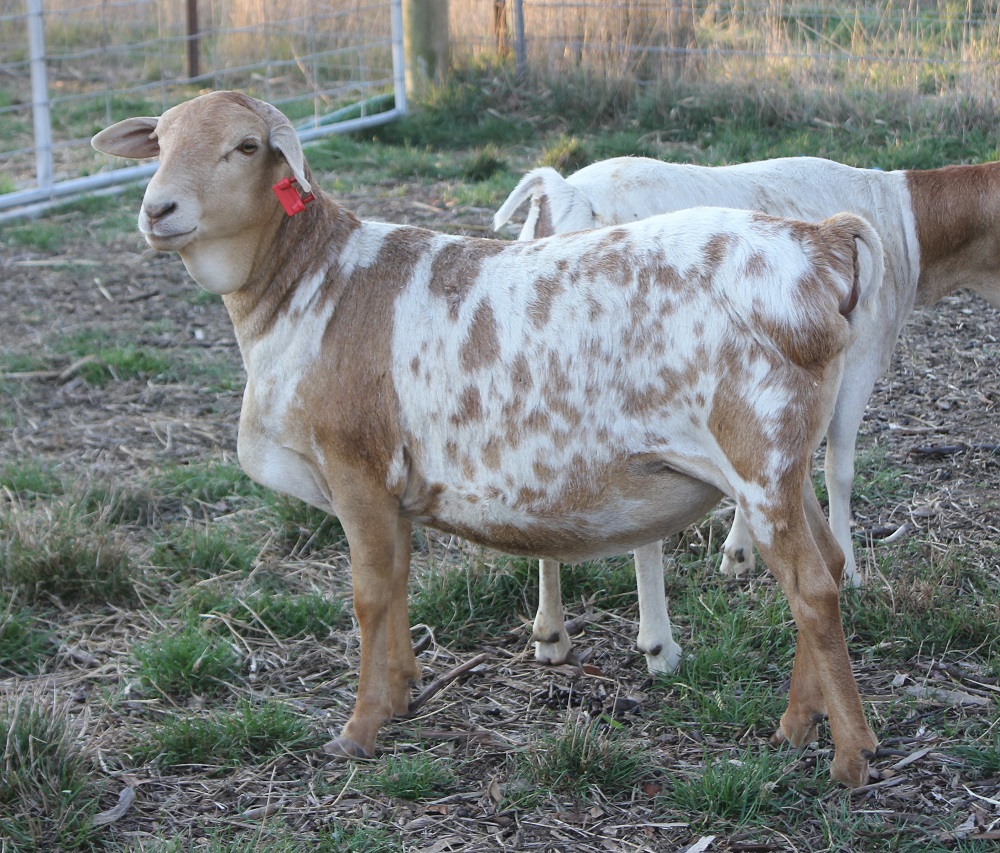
<point x="300" y="248"/>
<point x="956" y="210"/>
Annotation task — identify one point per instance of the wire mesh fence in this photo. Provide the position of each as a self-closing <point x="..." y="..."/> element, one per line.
<point x="946" y="48"/>
<point x="69" y="69"/>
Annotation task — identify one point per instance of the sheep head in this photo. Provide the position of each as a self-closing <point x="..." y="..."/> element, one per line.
<point x="211" y="198"/>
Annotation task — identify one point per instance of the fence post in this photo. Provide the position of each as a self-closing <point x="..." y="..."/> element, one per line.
<point x="520" y="47"/>
<point x="192" y="39"/>
<point x="398" y="55"/>
<point x="40" y="96"/>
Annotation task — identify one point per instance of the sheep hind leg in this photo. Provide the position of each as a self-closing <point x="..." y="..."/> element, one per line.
<point x="807" y="562"/>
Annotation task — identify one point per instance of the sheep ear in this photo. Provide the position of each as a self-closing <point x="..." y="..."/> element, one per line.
<point x="133" y="138"/>
<point x="283" y="138"/>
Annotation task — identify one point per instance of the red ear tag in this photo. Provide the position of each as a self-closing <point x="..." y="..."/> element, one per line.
<point x="287" y="192"/>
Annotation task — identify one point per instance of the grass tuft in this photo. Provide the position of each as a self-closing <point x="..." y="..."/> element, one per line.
<point x="63" y="556"/>
<point x="47" y="794"/>
<point x="23" y="645"/>
<point x="585" y="756"/>
<point x="737" y="790"/>
<point x="252" y="732"/>
<point x="187" y="663"/>
<point x="413" y="777"/>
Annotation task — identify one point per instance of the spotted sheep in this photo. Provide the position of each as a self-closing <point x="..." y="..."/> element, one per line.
<point x="938" y="230"/>
<point x="570" y="397"/>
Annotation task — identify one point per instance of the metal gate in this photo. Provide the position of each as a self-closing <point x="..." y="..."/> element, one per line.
<point x="68" y="69"/>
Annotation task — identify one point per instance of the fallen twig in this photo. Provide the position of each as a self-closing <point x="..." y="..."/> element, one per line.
<point x="438" y="684"/>
<point x="948" y="449"/>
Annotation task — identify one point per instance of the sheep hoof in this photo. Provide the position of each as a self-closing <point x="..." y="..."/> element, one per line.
<point x="343" y="747"/>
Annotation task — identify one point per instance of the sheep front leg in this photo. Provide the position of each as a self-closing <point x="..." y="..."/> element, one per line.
<point x="806" y="560"/>
<point x="380" y="563"/>
<point x="656" y="634"/>
<point x="552" y="643"/>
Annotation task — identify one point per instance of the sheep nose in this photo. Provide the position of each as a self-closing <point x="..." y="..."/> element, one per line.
<point x="158" y="211"/>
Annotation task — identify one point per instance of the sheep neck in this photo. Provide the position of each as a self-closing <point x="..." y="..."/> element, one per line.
<point x="957" y="211"/>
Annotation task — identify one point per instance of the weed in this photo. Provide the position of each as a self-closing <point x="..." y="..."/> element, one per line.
<point x="23" y="645"/>
<point x="30" y="478"/>
<point x="566" y="155"/>
<point x="251" y="732"/>
<point x="204" y="551"/>
<point x="187" y="663"/>
<point x="47" y="796"/>
<point x="584" y="756"/>
<point x="413" y="777"/>
<point x="61" y="555"/>
<point x="737" y="790"/>
<point x="484" y="164"/>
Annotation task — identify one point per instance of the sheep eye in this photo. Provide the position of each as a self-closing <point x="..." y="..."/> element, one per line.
<point x="248" y="146"/>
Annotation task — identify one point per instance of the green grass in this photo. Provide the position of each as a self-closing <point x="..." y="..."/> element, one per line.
<point x="269" y="614"/>
<point x="464" y="604"/>
<point x="185" y="663"/>
<point x="921" y="602"/>
<point x="586" y="758"/>
<point x="413" y="777"/>
<point x="49" y="789"/>
<point x="24" y="645"/>
<point x="62" y="555"/>
<point x="205" y="550"/>
<point x="252" y="732"/>
<point x="30" y="478"/>
<point x="276" y="836"/>
<point x="206" y="482"/>
<point x="735" y="790"/>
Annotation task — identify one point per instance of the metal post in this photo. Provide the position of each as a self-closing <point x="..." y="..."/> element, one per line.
<point x="520" y="46"/>
<point x="192" y="39"/>
<point x="398" y="55"/>
<point x="40" y="96"/>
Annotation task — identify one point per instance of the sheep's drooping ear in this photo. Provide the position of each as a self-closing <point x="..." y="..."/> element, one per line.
<point x="283" y="138"/>
<point x="132" y="138"/>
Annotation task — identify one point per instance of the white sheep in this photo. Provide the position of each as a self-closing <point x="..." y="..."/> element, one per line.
<point x="938" y="229"/>
<point x="567" y="397"/>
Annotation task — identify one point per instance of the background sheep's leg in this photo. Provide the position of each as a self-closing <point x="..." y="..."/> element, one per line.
<point x="552" y="643"/>
<point x="656" y="637"/>
<point x="841" y="439"/>
<point x="737" y="550"/>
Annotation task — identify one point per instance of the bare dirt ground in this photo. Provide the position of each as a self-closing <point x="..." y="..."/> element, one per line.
<point x="936" y="414"/>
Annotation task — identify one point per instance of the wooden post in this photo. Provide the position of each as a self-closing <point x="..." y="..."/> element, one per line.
<point x="426" y="37"/>
<point x="500" y="28"/>
<point x="192" y="39"/>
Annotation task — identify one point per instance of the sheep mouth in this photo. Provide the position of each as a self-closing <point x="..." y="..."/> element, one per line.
<point x="170" y="242"/>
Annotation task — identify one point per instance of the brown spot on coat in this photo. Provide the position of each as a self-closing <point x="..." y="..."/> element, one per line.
<point x="456" y="267"/>
<point x="482" y="346"/>
<point x="470" y="406"/>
